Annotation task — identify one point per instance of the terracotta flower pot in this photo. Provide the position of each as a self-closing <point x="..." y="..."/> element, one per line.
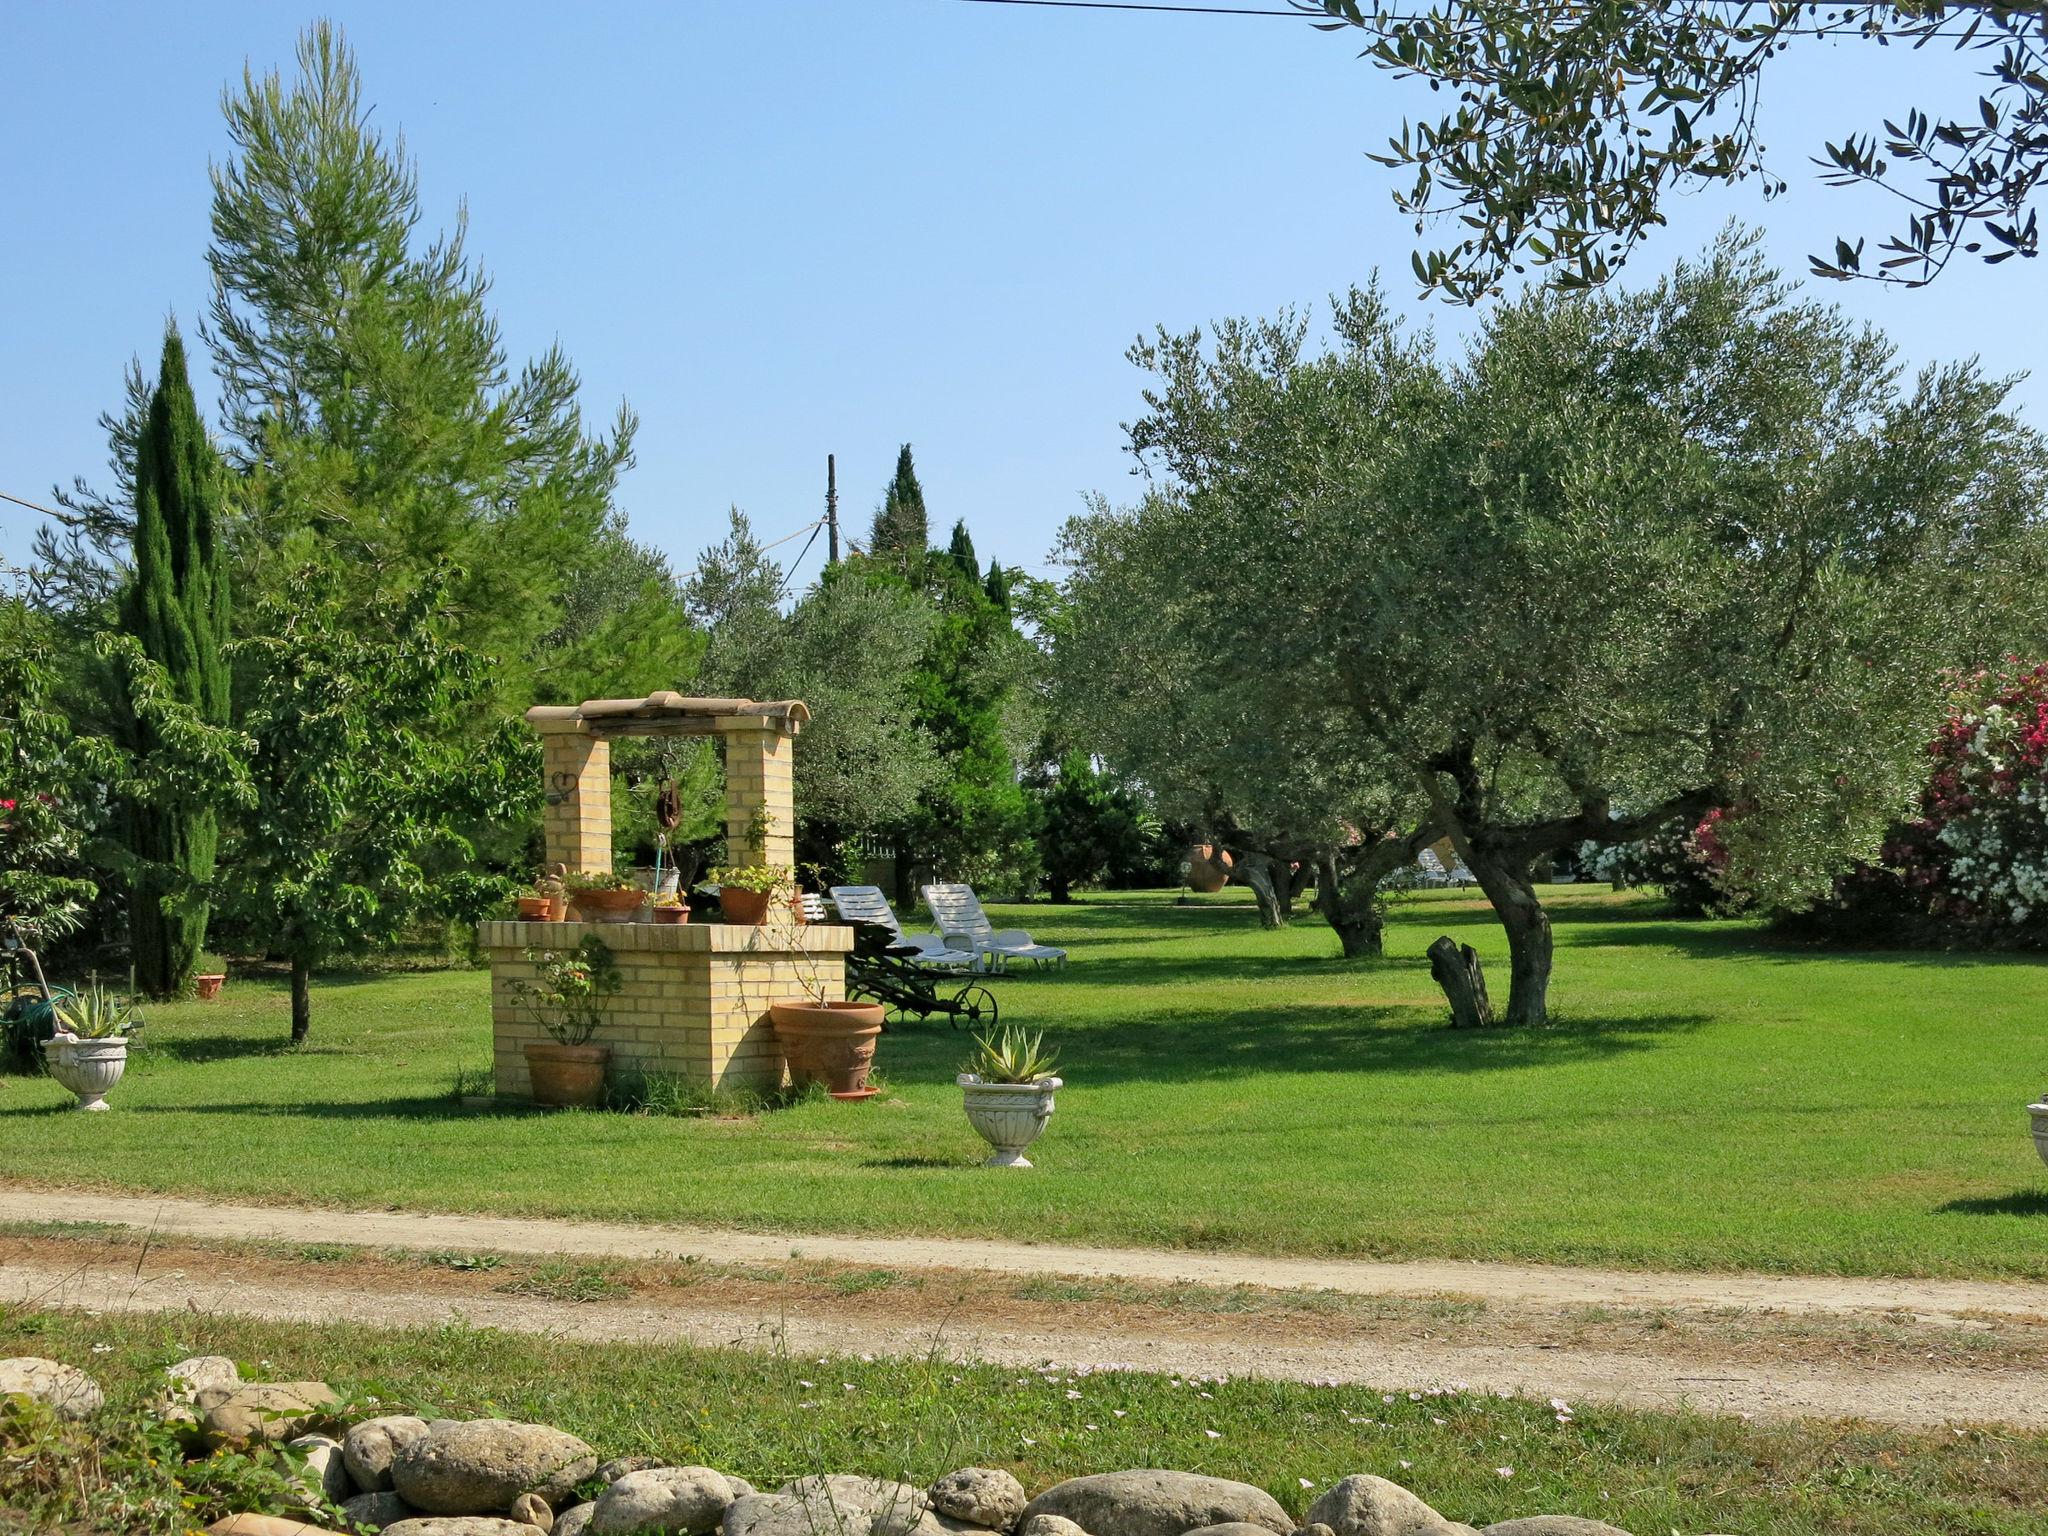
<point x="558" y="909"/>
<point x="831" y="1043"/>
<point x="607" y="906"/>
<point x="743" y="906"/>
<point x="1208" y="868"/>
<point x="672" y="915"/>
<point x="207" y="988"/>
<point x="566" y="1076"/>
<point x="535" y="909"/>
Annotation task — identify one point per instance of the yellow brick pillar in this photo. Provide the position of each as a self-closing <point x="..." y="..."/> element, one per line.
<point x="576" y="775"/>
<point x="760" y="793"/>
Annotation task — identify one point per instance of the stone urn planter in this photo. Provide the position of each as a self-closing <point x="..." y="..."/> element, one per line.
<point x="1009" y="1116"/>
<point x="207" y="988"/>
<point x="566" y="1076"/>
<point x="88" y="1068"/>
<point x="831" y="1043"/>
<point x="2040" y="1114"/>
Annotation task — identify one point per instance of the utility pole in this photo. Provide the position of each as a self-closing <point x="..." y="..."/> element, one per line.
<point x="831" y="509"/>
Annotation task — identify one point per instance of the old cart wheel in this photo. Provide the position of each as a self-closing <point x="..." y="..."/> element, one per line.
<point x="974" y="1005"/>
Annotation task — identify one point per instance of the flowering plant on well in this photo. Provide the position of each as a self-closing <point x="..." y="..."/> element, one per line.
<point x="570" y="989"/>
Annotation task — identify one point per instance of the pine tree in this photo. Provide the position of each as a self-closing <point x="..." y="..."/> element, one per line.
<point x="998" y="586"/>
<point x="962" y="552"/>
<point x="176" y="607"/>
<point x="901" y="532"/>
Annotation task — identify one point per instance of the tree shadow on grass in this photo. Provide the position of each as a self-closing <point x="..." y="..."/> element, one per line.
<point x="201" y="1049"/>
<point x="1335" y="1038"/>
<point x="2024" y="1202"/>
<point x="417" y="1107"/>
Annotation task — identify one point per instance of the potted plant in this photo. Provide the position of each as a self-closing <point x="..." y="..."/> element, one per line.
<point x="546" y="900"/>
<point x="746" y="892"/>
<point x="670" y="907"/>
<point x="211" y="977"/>
<point x="829" y="1041"/>
<point x="568" y="995"/>
<point x="603" y="896"/>
<point x="1009" y="1085"/>
<point x="89" y="1051"/>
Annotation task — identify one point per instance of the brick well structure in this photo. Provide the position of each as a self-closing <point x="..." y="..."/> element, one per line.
<point x="694" y="999"/>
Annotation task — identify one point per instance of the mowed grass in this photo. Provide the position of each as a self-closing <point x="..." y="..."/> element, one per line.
<point x="1707" y="1098"/>
<point x="771" y="1418"/>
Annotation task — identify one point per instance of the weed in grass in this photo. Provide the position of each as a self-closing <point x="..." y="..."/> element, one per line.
<point x="558" y="1280"/>
<point x="853" y="1282"/>
<point x="1045" y="1288"/>
<point x="321" y="1253"/>
<point x="468" y="1261"/>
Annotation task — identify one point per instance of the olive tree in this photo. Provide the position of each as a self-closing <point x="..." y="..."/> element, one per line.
<point x="1633" y="556"/>
<point x="1568" y="123"/>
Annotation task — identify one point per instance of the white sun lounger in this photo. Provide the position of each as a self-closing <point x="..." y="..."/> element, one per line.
<point x="957" y="910"/>
<point x="867" y="904"/>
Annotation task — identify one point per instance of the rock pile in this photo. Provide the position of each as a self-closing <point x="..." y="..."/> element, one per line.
<point x="405" y="1476"/>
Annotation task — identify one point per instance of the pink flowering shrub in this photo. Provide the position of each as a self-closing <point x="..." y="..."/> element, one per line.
<point x="1973" y="865"/>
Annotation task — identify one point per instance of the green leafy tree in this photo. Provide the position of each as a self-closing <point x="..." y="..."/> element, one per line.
<point x="901" y="532"/>
<point x="849" y="648"/>
<point x="363" y="776"/>
<point x="379" y="427"/>
<point x="1090" y="827"/>
<point x="176" y="607"/>
<point x="50" y="784"/>
<point x="1637" y="556"/>
<point x="1570" y="124"/>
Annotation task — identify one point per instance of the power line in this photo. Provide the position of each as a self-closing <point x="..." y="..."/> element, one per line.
<point x="29" y="504"/>
<point x="1138" y="5"/>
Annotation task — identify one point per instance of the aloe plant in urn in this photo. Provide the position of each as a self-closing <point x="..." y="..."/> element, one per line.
<point x="1009" y="1086"/>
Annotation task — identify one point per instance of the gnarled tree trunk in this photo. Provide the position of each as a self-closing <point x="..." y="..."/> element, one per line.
<point x="1508" y="885"/>
<point x="1262" y="873"/>
<point x="1352" y="909"/>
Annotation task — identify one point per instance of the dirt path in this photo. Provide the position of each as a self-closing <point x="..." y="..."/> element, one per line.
<point x="1517" y="1284"/>
<point x="1783" y="1388"/>
<point x="1770" y="1346"/>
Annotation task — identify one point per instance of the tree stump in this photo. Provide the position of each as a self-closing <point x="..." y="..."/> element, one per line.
<point x="1456" y="969"/>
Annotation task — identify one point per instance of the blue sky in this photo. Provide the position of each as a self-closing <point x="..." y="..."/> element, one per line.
<point x="782" y="228"/>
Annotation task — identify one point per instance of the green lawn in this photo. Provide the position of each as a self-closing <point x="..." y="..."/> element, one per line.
<point x="1708" y="1098"/>
<point x="770" y="1418"/>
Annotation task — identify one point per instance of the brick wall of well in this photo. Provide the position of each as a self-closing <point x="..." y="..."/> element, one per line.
<point x="694" y="1000"/>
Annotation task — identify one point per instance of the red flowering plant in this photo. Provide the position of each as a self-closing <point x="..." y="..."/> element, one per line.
<point x="1979" y="851"/>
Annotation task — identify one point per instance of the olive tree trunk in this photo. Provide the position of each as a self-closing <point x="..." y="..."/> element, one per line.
<point x="1509" y="886"/>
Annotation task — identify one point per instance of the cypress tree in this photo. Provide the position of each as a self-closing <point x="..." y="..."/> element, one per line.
<point x="998" y="586"/>
<point x="962" y="552"/>
<point x="176" y="605"/>
<point x="901" y="529"/>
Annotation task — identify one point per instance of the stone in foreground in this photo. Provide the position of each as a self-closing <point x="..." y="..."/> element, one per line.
<point x="981" y="1496"/>
<point x="458" y="1525"/>
<point x="377" y="1510"/>
<point x="1049" y="1525"/>
<point x="1156" y="1502"/>
<point x="480" y="1467"/>
<point x="663" y="1501"/>
<point x="372" y="1445"/>
<point x="63" y="1388"/>
<point x="275" y="1411"/>
<point x="1364" y="1505"/>
<point x="1554" y="1525"/>
<point x="575" y="1520"/>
